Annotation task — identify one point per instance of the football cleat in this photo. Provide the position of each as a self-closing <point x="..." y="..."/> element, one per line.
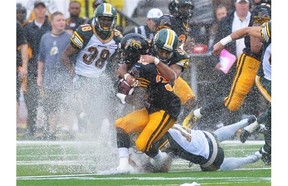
<point x="266" y="157"/>
<point x="248" y="130"/>
<point x="244" y="135"/>
<point x="125" y="169"/>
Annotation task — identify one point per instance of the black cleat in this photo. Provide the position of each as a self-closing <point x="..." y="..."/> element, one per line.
<point x="244" y="135"/>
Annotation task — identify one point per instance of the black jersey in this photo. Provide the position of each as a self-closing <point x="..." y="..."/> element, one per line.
<point x="160" y="91"/>
<point x="180" y="58"/>
<point x="21" y="39"/>
<point x="181" y="28"/>
<point x="259" y="14"/>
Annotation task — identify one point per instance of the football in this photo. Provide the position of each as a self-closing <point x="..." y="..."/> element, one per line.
<point x="124" y="87"/>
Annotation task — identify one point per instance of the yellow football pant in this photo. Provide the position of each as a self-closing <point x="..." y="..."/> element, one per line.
<point x="152" y="126"/>
<point x="247" y="68"/>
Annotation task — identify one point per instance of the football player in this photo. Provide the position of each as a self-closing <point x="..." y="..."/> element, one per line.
<point x="247" y="68"/>
<point x="262" y="81"/>
<point x="177" y="60"/>
<point x="199" y="147"/>
<point x="95" y="46"/>
<point x="162" y="106"/>
<point x="178" y="20"/>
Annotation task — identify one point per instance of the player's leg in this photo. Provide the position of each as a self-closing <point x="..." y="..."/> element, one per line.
<point x="131" y="123"/>
<point x="229" y="131"/>
<point x="158" y="125"/>
<point x="232" y="163"/>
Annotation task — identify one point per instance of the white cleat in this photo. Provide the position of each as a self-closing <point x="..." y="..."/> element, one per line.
<point x="119" y="170"/>
<point x="125" y="169"/>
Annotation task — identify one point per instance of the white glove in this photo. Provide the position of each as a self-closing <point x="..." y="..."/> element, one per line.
<point x="121" y="97"/>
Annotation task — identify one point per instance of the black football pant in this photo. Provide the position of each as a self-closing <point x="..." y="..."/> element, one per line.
<point x="31" y="100"/>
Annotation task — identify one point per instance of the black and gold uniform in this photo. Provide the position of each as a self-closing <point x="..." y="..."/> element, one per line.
<point x="162" y="106"/>
<point x="161" y="112"/>
<point x="177" y="20"/>
<point x="181" y="87"/>
<point x="248" y="63"/>
<point x="247" y="68"/>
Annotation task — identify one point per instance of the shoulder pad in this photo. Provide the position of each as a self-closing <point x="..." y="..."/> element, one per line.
<point x="117" y="35"/>
<point x="117" y="32"/>
<point x="266" y="31"/>
<point x="81" y="36"/>
<point x="181" y="58"/>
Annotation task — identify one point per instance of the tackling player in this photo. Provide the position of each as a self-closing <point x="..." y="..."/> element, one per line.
<point x="178" y="21"/>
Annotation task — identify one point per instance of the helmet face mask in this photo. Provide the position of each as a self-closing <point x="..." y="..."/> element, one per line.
<point x="105" y="17"/>
<point x="163" y="55"/>
<point x="105" y="23"/>
<point x="132" y="46"/>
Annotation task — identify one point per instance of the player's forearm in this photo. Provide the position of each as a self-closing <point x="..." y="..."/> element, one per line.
<point x="24" y="56"/>
<point x="67" y="63"/>
<point x="166" y="72"/>
<point x="252" y="31"/>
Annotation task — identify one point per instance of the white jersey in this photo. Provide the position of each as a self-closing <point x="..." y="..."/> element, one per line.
<point x="267" y="63"/>
<point x="94" y="53"/>
<point x="193" y="141"/>
<point x="92" y="59"/>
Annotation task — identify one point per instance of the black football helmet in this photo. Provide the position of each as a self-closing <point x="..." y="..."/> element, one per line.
<point x="263" y="2"/>
<point x="260" y="14"/>
<point x="132" y="46"/>
<point x="181" y="8"/>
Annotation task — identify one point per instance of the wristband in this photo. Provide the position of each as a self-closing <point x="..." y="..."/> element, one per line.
<point x="125" y="76"/>
<point x="156" y="61"/>
<point x="226" y="40"/>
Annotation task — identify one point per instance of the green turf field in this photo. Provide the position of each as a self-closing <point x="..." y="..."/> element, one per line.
<point x="70" y="164"/>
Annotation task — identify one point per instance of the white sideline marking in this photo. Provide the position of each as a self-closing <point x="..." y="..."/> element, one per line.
<point x="90" y="177"/>
<point x="251" y="142"/>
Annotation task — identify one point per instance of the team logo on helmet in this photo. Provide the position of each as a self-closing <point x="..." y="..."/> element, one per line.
<point x="132" y="46"/>
<point x="133" y="43"/>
